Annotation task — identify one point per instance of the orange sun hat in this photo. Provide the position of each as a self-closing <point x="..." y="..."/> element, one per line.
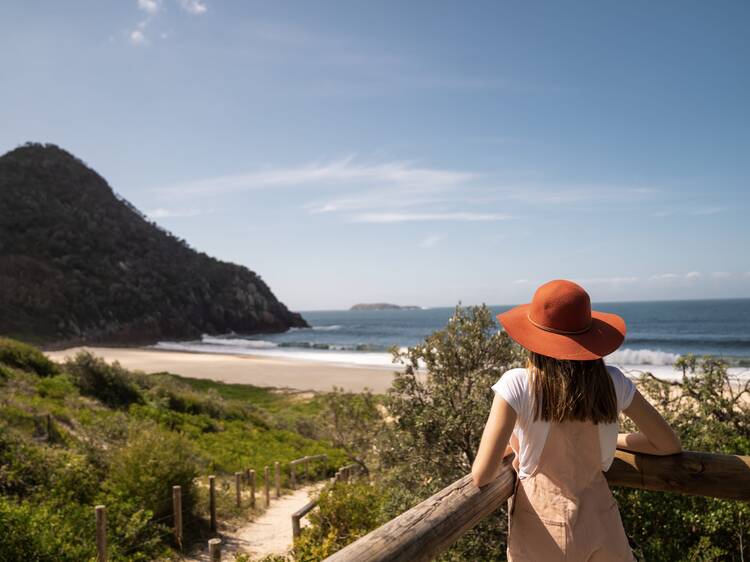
<point x="559" y="323"/>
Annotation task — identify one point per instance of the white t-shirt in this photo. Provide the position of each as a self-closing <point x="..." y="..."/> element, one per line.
<point x="514" y="387"/>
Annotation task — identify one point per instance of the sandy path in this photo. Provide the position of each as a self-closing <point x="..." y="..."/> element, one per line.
<point x="269" y="534"/>
<point x="244" y="369"/>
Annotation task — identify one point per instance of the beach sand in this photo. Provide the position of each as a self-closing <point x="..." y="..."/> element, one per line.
<point x="244" y="369"/>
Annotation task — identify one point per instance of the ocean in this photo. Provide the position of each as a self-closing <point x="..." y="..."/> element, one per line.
<point x="658" y="333"/>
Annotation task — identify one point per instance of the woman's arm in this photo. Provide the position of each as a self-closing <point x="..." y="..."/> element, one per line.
<point x="656" y="437"/>
<point x="493" y="446"/>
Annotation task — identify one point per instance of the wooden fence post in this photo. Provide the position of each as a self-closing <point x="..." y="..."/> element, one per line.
<point x="307" y="468"/>
<point x="238" y="487"/>
<point x="277" y="468"/>
<point x="212" y="502"/>
<point x="214" y="550"/>
<point x="292" y="473"/>
<point x="101" y="533"/>
<point x="267" y="483"/>
<point x="177" y="509"/>
<point x="252" y="488"/>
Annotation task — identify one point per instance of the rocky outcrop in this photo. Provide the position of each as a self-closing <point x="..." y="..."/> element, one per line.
<point x="80" y="264"/>
<point x="383" y="306"/>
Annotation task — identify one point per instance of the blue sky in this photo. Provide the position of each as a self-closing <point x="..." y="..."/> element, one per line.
<point x="414" y="152"/>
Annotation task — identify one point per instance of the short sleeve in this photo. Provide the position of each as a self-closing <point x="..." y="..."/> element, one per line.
<point x="511" y="387"/>
<point x="624" y="387"/>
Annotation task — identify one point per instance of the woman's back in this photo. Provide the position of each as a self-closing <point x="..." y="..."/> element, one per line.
<point x="531" y="434"/>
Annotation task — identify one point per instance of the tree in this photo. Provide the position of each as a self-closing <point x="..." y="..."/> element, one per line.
<point x="353" y="422"/>
<point x="441" y="400"/>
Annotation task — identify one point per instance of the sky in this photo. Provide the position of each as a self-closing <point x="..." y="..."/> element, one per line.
<point x="417" y="152"/>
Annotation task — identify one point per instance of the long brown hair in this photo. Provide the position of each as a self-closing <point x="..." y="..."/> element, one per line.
<point x="571" y="390"/>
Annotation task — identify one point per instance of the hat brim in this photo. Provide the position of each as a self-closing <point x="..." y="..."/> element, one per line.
<point x="606" y="334"/>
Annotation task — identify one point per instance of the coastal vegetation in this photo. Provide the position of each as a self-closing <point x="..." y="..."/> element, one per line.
<point x="85" y="432"/>
<point x="80" y="264"/>
<point x="433" y="425"/>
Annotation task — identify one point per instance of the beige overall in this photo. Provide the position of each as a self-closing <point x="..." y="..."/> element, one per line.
<point x="564" y="510"/>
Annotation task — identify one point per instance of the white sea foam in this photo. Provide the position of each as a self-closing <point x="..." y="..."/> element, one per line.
<point x="238" y="342"/>
<point x="642" y="357"/>
<point x="632" y="362"/>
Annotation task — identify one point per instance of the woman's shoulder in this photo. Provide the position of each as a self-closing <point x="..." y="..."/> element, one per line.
<point x="624" y="387"/>
<point x="513" y="380"/>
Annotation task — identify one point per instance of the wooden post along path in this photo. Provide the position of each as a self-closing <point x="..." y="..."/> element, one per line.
<point x="277" y="470"/>
<point x="177" y="510"/>
<point x="212" y="502"/>
<point x="214" y="550"/>
<point x="267" y="483"/>
<point x="238" y="488"/>
<point x="252" y="487"/>
<point x="101" y="533"/>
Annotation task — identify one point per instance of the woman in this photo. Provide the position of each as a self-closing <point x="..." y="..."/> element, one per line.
<point x="559" y="417"/>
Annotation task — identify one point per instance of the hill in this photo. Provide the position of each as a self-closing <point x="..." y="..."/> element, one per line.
<point x="80" y="264"/>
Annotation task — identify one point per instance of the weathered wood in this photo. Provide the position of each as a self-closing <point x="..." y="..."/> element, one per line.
<point x="298" y="515"/>
<point x="177" y="511"/>
<point x="429" y="528"/>
<point x="251" y="476"/>
<point x="238" y="488"/>
<point x="214" y="550"/>
<point x="293" y="475"/>
<point x="267" y="484"/>
<point x="693" y="473"/>
<point x="277" y="470"/>
<point x="101" y="533"/>
<point x="212" y="502"/>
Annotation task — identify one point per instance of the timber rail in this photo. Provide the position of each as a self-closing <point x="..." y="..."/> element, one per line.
<point x="429" y="528"/>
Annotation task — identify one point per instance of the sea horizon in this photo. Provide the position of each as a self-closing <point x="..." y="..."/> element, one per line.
<point x="659" y="332"/>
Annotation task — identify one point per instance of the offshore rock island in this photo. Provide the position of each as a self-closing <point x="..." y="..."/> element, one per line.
<point x="383" y="306"/>
<point x="78" y="264"/>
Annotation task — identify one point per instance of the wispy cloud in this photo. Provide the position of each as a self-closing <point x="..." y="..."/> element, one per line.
<point x="152" y="8"/>
<point x="162" y="213"/>
<point x="431" y="241"/>
<point x="195" y="7"/>
<point x="149" y="6"/>
<point x="381" y="218"/>
<point x="137" y="37"/>
<point x="664" y="276"/>
<point x="346" y="171"/>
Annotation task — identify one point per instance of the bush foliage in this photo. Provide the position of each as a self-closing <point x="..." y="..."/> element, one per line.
<point x="436" y="410"/>
<point x="87" y="432"/>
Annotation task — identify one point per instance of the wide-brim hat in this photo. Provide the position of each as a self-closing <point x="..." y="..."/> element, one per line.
<point x="559" y="323"/>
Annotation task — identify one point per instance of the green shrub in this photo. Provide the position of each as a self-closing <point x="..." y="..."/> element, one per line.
<point x="111" y="384"/>
<point x="145" y="469"/>
<point x="43" y="532"/>
<point x="56" y="387"/>
<point x="711" y="412"/>
<point x="346" y="511"/>
<point x="26" y="357"/>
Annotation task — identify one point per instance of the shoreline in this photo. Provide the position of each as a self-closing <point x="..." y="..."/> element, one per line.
<point x="257" y="370"/>
<point x="276" y="371"/>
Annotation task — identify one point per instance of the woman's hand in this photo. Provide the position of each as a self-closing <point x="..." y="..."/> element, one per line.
<point x="494" y="445"/>
<point x="656" y="436"/>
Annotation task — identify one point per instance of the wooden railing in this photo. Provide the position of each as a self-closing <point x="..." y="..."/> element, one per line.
<point x="429" y="528"/>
